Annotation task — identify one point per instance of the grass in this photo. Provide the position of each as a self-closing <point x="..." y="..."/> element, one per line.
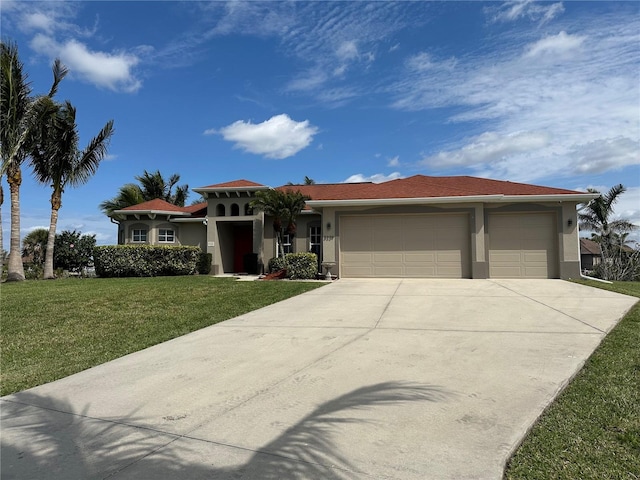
<point x="592" y="431"/>
<point x="51" y="329"/>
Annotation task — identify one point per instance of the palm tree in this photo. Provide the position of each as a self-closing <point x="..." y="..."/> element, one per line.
<point x="57" y="161"/>
<point x="284" y="207"/>
<point x="34" y="245"/>
<point x="155" y="186"/>
<point x="152" y="185"/>
<point x="294" y="203"/>
<point x="596" y="216"/>
<point x="19" y="113"/>
<point x="272" y="203"/>
<point x="128" y="195"/>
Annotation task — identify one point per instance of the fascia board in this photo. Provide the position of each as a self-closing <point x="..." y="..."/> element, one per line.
<point x="150" y="212"/>
<point x="188" y="220"/>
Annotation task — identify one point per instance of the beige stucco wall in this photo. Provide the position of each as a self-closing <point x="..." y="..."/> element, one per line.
<point x="193" y="234"/>
<point x="219" y="230"/>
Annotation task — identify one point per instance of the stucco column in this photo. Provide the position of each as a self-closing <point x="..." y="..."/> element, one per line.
<point x="569" y="242"/>
<point x="479" y="265"/>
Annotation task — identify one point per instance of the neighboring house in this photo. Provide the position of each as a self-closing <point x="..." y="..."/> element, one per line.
<point x="446" y="227"/>
<point x="590" y="254"/>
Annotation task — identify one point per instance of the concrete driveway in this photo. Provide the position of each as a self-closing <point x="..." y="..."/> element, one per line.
<point x="402" y="379"/>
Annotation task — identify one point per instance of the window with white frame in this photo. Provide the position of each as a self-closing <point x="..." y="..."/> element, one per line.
<point x="166" y="235"/>
<point x="139" y="235"/>
<point x="287" y="246"/>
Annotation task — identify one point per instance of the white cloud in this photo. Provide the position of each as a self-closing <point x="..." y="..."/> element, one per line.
<point x="394" y="162"/>
<point x="39" y="21"/>
<point x="534" y="11"/>
<point x="560" y="44"/>
<point x="605" y="154"/>
<point x="488" y="148"/>
<point x="279" y="137"/>
<point x="530" y="119"/>
<point x="347" y="50"/>
<point x="376" y="178"/>
<point x="110" y="70"/>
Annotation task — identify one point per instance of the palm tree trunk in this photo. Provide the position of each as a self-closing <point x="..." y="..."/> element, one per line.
<point x="16" y="269"/>
<point x="51" y="239"/>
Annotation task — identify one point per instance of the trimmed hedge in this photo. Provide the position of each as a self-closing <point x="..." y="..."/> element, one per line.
<point x="276" y="264"/>
<point x="204" y="263"/>
<point x="145" y="260"/>
<point x="299" y="266"/>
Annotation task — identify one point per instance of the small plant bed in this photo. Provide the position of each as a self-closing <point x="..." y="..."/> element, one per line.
<point x="592" y="430"/>
<point x="56" y="328"/>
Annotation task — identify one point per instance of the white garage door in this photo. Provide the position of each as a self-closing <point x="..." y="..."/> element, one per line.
<point x="523" y="246"/>
<point x="405" y="246"/>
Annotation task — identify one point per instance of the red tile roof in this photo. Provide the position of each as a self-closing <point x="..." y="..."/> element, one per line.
<point x="155" y="204"/>
<point x="196" y="208"/>
<point x="422" y="186"/>
<point x="235" y="184"/>
<point x="418" y="186"/>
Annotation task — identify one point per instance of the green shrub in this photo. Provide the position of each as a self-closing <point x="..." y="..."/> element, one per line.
<point x="204" y="263"/>
<point x="276" y="264"/>
<point x="145" y="260"/>
<point x="301" y="265"/>
<point x="33" y="271"/>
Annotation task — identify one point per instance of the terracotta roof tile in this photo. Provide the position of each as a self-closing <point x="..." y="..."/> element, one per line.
<point x="155" y="204"/>
<point x="422" y="186"/>
<point x="198" y="210"/>
<point x="235" y="184"/>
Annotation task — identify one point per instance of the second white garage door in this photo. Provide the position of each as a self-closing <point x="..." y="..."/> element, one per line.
<point x="420" y="246"/>
<point x="523" y="246"/>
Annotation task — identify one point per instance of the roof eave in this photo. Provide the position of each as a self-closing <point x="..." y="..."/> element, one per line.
<point x="188" y="220"/>
<point x="150" y="212"/>
<point x="230" y="189"/>
<point x="581" y="197"/>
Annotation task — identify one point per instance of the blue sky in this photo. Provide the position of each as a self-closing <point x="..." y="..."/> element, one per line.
<point x="545" y="93"/>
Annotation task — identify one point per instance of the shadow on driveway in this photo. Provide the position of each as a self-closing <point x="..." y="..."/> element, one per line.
<point x="51" y="441"/>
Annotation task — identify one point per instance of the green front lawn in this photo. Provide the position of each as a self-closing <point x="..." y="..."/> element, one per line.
<point x="592" y="431"/>
<point x="51" y="329"/>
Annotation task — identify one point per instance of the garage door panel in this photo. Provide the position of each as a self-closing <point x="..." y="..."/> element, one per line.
<point x="420" y="257"/>
<point x="406" y="246"/>
<point x="420" y="271"/>
<point x="391" y="257"/>
<point x="388" y="271"/>
<point x="522" y="246"/>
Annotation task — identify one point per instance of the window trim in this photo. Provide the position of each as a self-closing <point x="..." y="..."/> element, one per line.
<point x="138" y="232"/>
<point x="166" y="235"/>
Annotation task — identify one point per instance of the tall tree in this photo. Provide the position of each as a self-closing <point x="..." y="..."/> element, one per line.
<point x="34" y="245"/>
<point x="284" y="207"/>
<point x="294" y="203"/>
<point x="272" y="203"/>
<point x="597" y="217"/>
<point x="19" y="114"/>
<point x="58" y="162"/>
<point x="151" y="186"/>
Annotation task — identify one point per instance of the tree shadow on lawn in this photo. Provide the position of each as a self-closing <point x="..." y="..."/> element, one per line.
<point x="51" y="441"/>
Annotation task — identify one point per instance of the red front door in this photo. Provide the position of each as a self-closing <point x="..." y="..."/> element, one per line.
<point x="242" y="244"/>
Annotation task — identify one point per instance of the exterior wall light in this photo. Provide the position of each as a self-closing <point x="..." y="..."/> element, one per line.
<point x="328" y="225"/>
<point x="570" y="222"/>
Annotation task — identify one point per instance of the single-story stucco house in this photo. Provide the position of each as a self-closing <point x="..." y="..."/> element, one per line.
<point x="420" y="226"/>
